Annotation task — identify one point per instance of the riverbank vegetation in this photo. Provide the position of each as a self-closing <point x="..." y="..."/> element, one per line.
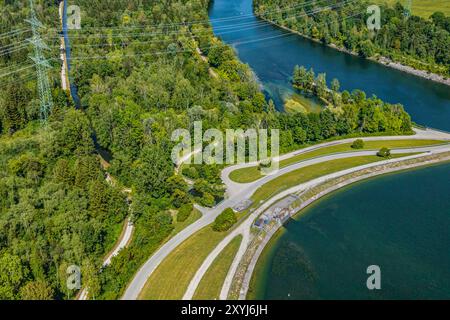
<point x="423" y="44"/>
<point x="371" y="114"/>
<point x="140" y="77"/>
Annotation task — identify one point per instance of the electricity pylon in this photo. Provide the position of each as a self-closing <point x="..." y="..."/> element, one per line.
<point x="42" y="65"/>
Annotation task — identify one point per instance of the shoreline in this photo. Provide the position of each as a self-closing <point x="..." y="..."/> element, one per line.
<point x="380" y="59"/>
<point x="404" y="166"/>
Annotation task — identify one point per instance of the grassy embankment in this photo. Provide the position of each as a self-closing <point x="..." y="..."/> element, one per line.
<point x="251" y="174"/>
<point x="179" y="226"/>
<point x="308" y="173"/>
<point x="171" y="279"/>
<point x="210" y="286"/>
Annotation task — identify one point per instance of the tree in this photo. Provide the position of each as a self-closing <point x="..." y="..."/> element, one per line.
<point x="37" y="290"/>
<point x="62" y="172"/>
<point x="179" y="198"/>
<point x="91" y="279"/>
<point x="152" y="171"/>
<point x="299" y="78"/>
<point x="207" y="200"/>
<point x="441" y="20"/>
<point x="184" y="212"/>
<point x="13" y="114"/>
<point x="321" y="88"/>
<point x="87" y="168"/>
<point x="346" y="97"/>
<point x="299" y="135"/>
<point x="358" y="144"/>
<point x="366" y="49"/>
<point x="74" y="135"/>
<point x="225" y="220"/>
<point x="176" y="182"/>
<point x="309" y="84"/>
<point x="335" y="85"/>
<point x="12" y="274"/>
<point x="384" y="153"/>
<point x="98" y="198"/>
<point x="28" y="166"/>
<point x="219" y="54"/>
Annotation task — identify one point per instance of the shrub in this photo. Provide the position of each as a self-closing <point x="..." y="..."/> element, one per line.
<point x="384" y="153"/>
<point x="225" y="220"/>
<point x="184" y="212"/>
<point x="206" y="200"/>
<point x="190" y="172"/>
<point x="264" y="164"/>
<point x="358" y="144"/>
<point x="179" y="198"/>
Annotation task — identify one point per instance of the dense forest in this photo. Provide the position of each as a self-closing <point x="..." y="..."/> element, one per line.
<point x="421" y="43"/>
<point x="143" y="69"/>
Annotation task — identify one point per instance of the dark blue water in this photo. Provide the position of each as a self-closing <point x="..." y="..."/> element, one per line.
<point x="399" y="222"/>
<point x="272" y="53"/>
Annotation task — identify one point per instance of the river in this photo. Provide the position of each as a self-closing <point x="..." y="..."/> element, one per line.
<point x="272" y="53"/>
<point x="399" y="222"/>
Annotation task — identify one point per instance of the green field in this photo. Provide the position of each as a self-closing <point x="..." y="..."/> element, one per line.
<point x="423" y="8"/>
<point x="210" y="286"/>
<point x="305" y="174"/>
<point x="251" y="174"/>
<point x="172" y="277"/>
<point x="178" y="226"/>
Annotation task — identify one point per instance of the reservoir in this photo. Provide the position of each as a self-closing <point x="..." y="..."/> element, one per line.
<point x="399" y="222"/>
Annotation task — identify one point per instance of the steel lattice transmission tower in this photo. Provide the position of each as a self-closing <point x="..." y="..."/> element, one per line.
<point x="42" y="65"/>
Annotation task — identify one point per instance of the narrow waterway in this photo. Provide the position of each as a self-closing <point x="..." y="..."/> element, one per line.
<point x="272" y="53"/>
<point x="399" y="222"/>
<point x="73" y="87"/>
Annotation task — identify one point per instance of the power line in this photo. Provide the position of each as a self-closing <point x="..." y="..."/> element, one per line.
<point x="42" y="65"/>
<point x="182" y="51"/>
<point x="13" y="44"/>
<point x="186" y="24"/>
<point x="243" y="27"/>
<point x="14" y="33"/>
<point x="26" y="78"/>
<point x="19" y="48"/>
<point x="207" y="21"/>
<point x="16" y="71"/>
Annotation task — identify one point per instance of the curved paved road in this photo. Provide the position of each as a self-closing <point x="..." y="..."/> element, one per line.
<point x="245" y="227"/>
<point x="234" y="188"/>
<point x="238" y="192"/>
